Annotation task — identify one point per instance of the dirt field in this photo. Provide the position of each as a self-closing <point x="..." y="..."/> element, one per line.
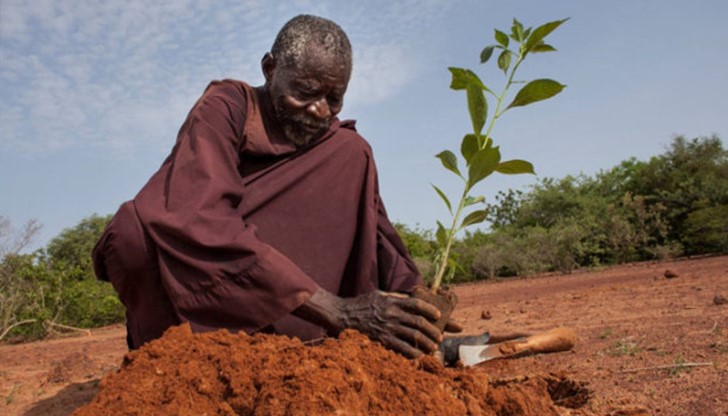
<point x="648" y="344"/>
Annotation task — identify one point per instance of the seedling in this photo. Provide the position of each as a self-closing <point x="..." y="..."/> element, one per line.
<point x="626" y="346"/>
<point x="678" y="365"/>
<point x="11" y="395"/>
<point x="482" y="158"/>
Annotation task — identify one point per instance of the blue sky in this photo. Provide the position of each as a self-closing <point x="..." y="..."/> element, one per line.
<point x="92" y="93"/>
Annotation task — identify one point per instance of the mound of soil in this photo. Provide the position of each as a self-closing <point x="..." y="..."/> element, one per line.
<point x="220" y="373"/>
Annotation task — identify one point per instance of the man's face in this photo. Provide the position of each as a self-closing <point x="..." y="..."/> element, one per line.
<point x="306" y="98"/>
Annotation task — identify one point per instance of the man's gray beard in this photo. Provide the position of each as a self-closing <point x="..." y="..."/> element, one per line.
<point x="299" y="138"/>
<point x="290" y="124"/>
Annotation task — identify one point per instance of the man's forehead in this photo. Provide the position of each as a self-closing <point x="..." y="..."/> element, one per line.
<point x="317" y="54"/>
<point x="320" y="64"/>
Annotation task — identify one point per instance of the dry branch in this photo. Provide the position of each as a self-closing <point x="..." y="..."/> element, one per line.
<point x="70" y="328"/>
<point x="666" y="367"/>
<point x="8" y="329"/>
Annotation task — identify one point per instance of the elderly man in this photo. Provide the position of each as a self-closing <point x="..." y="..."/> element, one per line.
<point x="266" y="216"/>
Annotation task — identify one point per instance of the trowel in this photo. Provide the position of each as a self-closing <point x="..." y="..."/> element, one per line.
<point x="555" y="340"/>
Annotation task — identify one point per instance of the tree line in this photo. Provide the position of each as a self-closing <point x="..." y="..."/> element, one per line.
<point x="673" y="204"/>
<point x="53" y="290"/>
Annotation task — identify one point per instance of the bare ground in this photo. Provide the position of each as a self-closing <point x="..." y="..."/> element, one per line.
<point x="632" y="320"/>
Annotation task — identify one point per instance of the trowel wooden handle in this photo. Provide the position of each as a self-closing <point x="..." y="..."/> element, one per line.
<point x="555" y="340"/>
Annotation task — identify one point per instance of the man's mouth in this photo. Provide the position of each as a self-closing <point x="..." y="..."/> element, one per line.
<point x="314" y="127"/>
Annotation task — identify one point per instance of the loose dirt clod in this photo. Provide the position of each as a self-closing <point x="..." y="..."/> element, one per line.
<point x="75" y="365"/>
<point x="719" y="300"/>
<point x="220" y="373"/>
<point x="669" y="274"/>
<point x="485" y="315"/>
<point x="444" y="299"/>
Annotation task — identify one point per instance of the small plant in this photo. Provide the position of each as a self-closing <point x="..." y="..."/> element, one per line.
<point x="660" y="353"/>
<point x="651" y="392"/>
<point x="678" y="365"/>
<point x="482" y="157"/>
<point x="606" y="334"/>
<point x="11" y="395"/>
<point x="626" y="346"/>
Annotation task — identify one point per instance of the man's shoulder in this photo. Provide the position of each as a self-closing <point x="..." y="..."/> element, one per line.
<point x="347" y="133"/>
<point x="228" y="96"/>
<point x="231" y="88"/>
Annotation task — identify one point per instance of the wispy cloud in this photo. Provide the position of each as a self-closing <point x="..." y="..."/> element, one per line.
<point x="380" y="70"/>
<point x="121" y="75"/>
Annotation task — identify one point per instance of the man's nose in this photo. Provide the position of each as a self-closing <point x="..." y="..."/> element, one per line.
<point x="320" y="109"/>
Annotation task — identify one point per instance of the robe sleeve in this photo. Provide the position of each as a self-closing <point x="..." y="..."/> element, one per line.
<point x="214" y="268"/>
<point x="397" y="270"/>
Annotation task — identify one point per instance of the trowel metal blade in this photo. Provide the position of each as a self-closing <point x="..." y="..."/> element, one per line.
<point x="471" y="355"/>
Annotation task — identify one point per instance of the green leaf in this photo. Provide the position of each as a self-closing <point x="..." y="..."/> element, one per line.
<point x="504" y="61"/>
<point x="449" y="161"/>
<point x="541" y="32"/>
<point x="515" y="167"/>
<point x="469" y="146"/>
<point x="482" y="165"/>
<point x="461" y="78"/>
<point x="478" y="107"/>
<point x="444" y="198"/>
<point x="474" y="217"/>
<point x="517" y="30"/>
<point x="542" y="47"/>
<point x="469" y="200"/>
<point x="486" y="53"/>
<point x="441" y="235"/>
<point x="501" y="38"/>
<point x="537" y="90"/>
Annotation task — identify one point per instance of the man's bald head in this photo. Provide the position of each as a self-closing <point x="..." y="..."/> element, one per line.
<point x="304" y="31"/>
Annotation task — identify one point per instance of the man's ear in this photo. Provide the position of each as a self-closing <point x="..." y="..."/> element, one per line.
<point x="268" y="64"/>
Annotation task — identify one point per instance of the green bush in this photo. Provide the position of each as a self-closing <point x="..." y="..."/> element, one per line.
<point x="675" y="203"/>
<point x="90" y="303"/>
<point x="55" y="288"/>
<point x="688" y="178"/>
<point x="419" y="242"/>
<point x="706" y="230"/>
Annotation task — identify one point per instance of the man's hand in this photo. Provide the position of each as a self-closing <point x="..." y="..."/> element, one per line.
<point x="399" y="322"/>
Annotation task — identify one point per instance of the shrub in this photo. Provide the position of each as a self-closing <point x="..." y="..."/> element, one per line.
<point x="55" y="288"/>
<point x="706" y="230"/>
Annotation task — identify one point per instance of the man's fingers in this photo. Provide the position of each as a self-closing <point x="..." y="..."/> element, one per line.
<point x="420" y="307"/>
<point x="416" y="338"/>
<point x="422" y="325"/>
<point x="400" y="346"/>
<point x="393" y="294"/>
<point x="453" y="326"/>
<point x="399" y="322"/>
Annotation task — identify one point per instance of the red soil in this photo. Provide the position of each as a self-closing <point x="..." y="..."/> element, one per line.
<point x="223" y="374"/>
<point x="638" y="331"/>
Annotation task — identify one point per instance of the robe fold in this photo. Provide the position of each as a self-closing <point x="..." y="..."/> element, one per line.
<point x="239" y="227"/>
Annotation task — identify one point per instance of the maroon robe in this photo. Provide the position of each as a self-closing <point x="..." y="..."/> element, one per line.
<point x="239" y="227"/>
